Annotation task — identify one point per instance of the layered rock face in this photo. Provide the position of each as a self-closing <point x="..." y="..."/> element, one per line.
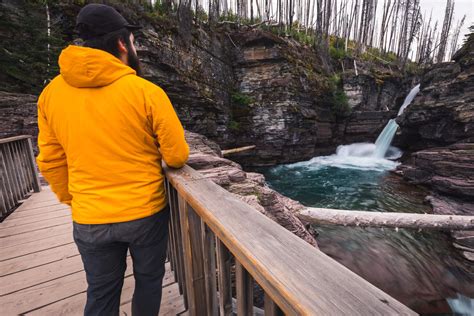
<point x="280" y="104"/>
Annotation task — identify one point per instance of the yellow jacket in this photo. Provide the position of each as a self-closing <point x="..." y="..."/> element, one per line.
<point x="102" y="134"/>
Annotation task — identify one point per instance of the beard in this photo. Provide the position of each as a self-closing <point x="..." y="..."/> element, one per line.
<point x="133" y="61"/>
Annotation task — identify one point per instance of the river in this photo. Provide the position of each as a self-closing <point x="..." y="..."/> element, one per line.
<point x="420" y="268"/>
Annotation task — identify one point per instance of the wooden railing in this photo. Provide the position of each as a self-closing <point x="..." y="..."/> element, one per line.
<point x="220" y="246"/>
<point x="18" y="174"/>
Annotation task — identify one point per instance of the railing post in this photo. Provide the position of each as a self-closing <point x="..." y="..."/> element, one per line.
<point x="12" y="175"/>
<point x="244" y="285"/>
<point x="193" y="259"/>
<point x="34" y="171"/>
<point x="171" y="241"/>
<point x="7" y="192"/>
<point x="271" y="309"/>
<point x="178" y="242"/>
<point x="24" y="159"/>
<point x="209" y="255"/>
<point x="225" y="287"/>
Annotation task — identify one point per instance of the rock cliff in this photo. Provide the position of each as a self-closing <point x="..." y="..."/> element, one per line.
<point x="438" y="127"/>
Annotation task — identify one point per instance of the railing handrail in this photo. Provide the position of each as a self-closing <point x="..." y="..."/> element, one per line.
<point x="299" y="278"/>
<point x="14" y="138"/>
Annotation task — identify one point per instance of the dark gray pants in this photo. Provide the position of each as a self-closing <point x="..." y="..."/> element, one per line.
<point x="103" y="250"/>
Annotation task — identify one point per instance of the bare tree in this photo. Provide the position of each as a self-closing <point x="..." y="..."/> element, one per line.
<point x="448" y="19"/>
<point x="455" y="38"/>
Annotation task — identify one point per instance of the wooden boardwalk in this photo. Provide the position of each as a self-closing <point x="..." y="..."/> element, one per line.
<point x="41" y="272"/>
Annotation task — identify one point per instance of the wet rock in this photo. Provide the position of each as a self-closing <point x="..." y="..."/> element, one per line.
<point x="449" y="170"/>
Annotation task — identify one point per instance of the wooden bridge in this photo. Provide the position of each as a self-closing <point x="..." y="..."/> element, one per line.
<point x="224" y="256"/>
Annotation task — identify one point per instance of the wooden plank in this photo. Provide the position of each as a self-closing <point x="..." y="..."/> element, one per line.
<point x="74" y="305"/>
<point x="18" y="221"/>
<point x="47" y="293"/>
<point x="39" y="258"/>
<point x="19" y="281"/>
<point x="193" y="261"/>
<point x="10" y="252"/>
<point x="38" y="205"/>
<point x="43" y="294"/>
<point x="244" y="286"/>
<point x="299" y="278"/>
<point x="39" y="211"/>
<point x="223" y="277"/>
<point x="21" y="229"/>
<point x="271" y="309"/>
<point x="41" y="234"/>
<point x="209" y="257"/>
<point x="45" y="195"/>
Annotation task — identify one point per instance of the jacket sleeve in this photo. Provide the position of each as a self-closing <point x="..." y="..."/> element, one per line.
<point x="52" y="159"/>
<point x="168" y="130"/>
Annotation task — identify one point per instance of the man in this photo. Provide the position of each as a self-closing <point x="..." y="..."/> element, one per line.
<point x="103" y="134"/>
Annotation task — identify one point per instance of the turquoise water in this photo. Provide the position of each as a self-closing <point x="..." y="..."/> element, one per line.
<point x="421" y="269"/>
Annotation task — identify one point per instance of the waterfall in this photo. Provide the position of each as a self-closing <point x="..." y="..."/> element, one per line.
<point x="409" y="98"/>
<point x="385" y="138"/>
<point x="365" y="156"/>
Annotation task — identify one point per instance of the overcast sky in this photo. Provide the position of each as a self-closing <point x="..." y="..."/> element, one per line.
<point x="461" y="7"/>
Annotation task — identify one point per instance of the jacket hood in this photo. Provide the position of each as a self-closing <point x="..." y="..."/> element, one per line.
<point x="85" y="67"/>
